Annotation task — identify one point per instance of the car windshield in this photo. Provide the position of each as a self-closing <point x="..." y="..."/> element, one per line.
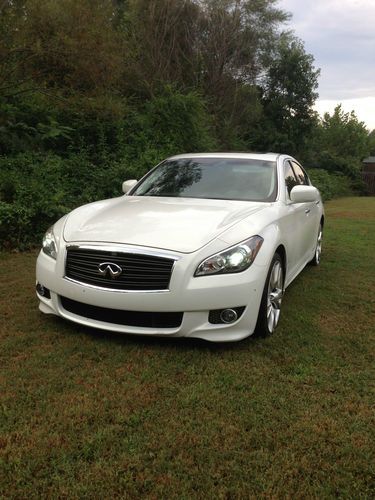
<point x="212" y="178"/>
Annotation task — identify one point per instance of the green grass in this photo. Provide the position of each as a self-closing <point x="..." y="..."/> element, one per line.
<point x="86" y="413"/>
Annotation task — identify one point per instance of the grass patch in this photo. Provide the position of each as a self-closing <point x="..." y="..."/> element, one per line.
<point x="85" y="413"/>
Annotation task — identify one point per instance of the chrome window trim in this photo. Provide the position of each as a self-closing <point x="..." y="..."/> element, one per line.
<point x="121" y="249"/>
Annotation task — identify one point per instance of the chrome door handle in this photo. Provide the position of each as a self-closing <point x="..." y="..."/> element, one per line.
<point x="307" y="211"/>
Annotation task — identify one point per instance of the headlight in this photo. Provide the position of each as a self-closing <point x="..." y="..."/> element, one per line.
<point x="49" y="244"/>
<point x="232" y="260"/>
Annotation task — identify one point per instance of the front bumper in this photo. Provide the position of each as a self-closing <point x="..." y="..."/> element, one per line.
<point x="195" y="297"/>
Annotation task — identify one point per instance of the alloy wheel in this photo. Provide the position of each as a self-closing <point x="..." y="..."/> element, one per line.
<point x="318" y="251"/>
<point x="275" y="295"/>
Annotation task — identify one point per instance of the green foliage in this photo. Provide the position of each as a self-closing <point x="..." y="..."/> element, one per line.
<point x="177" y="122"/>
<point x="31" y="197"/>
<point x="289" y="94"/>
<point x="342" y="134"/>
<point x="97" y="91"/>
<point x="340" y="144"/>
<point x="38" y="188"/>
<point x="27" y="123"/>
<point x="330" y="185"/>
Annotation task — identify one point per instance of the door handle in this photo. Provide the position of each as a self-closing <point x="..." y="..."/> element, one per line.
<point x="317" y="202"/>
<point x="307" y="211"/>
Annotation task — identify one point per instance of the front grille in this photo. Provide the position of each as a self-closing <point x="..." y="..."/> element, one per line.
<point x="139" y="271"/>
<point x="127" y="318"/>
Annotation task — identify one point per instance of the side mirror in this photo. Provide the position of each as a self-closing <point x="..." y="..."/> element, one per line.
<point x="304" y="194"/>
<point x="127" y="185"/>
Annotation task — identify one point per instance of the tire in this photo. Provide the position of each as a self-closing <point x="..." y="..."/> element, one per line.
<point x="315" y="261"/>
<point x="270" y="306"/>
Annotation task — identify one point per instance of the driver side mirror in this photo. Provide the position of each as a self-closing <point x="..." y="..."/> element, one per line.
<point x="128" y="185"/>
<point x="304" y="194"/>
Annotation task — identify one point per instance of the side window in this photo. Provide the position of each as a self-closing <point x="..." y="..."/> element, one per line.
<point x="300" y="174"/>
<point x="290" y="178"/>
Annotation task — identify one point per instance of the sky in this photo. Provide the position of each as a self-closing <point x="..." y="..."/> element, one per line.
<point x="340" y="34"/>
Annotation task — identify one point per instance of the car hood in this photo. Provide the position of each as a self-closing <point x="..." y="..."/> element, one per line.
<point x="177" y="224"/>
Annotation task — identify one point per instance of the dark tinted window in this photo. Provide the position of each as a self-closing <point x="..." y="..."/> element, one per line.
<point x="216" y="178"/>
<point x="300" y="174"/>
<point x="290" y="178"/>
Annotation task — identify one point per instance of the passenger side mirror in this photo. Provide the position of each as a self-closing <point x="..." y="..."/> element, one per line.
<point x="127" y="185"/>
<point x="304" y="194"/>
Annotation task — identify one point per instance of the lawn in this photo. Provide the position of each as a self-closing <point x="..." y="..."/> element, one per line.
<point x="85" y="413"/>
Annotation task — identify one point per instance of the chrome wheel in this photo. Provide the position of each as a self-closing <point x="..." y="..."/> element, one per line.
<point x="318" y="251"/>
<point x="274" y="295"/>
<point x="315" y="261"/>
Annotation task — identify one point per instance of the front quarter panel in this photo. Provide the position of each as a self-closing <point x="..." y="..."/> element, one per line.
<point x="264" y="224"/>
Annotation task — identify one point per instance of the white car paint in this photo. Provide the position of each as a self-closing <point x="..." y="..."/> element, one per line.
<point x="188" y="230"/>
<point x="188" y="223"/>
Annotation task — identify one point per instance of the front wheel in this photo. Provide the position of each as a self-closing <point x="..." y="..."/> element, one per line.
<point x="270" y="306"/>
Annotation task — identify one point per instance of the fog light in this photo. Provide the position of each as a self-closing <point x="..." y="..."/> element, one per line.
<point x="228" y="315"/>
<point x="43" y="291"/>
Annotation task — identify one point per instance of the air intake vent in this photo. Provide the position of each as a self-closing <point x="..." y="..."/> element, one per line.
<point x="120" y="317"/>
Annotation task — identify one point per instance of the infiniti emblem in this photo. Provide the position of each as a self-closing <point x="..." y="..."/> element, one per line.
<point x="110" y="269"/>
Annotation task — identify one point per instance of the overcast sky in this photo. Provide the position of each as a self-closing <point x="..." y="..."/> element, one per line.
<point x="340" y="34"/>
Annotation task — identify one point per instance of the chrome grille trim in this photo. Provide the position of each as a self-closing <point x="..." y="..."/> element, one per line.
<point x="124" y="251"/>
<point x="111" y="247"/>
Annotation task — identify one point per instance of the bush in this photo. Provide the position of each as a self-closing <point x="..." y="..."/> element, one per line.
<point x="166" y="125"/>
<point x="330" y="185"/>
<point x="36" y="190"/>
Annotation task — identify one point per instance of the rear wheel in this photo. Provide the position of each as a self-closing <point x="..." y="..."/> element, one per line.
<point x="315" y="261"/>
<point x="270" y="307"/>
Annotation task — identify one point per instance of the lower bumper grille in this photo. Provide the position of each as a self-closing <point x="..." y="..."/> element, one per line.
<point x="126" y="318"/>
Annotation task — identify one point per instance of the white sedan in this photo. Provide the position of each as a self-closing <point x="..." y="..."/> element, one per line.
<point x="203" y="246"/>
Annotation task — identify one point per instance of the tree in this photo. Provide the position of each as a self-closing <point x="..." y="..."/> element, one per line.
<point x="342" y="141"/>
<point x="236" y="38"/>
<point x="343" y="134"/>
<point x="162" y="40"/>
<point x="13" y="52"/>
<point x="219" y="47"/>
<point x="55" y="58"/>
<point x="372" y="142"/>
<point x="74" y="45"/>
<point x="97" y="58"/>
<point x="289" y="92"/>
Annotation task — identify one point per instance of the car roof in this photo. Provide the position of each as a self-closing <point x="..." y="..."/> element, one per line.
<point x="244" y="156"/>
